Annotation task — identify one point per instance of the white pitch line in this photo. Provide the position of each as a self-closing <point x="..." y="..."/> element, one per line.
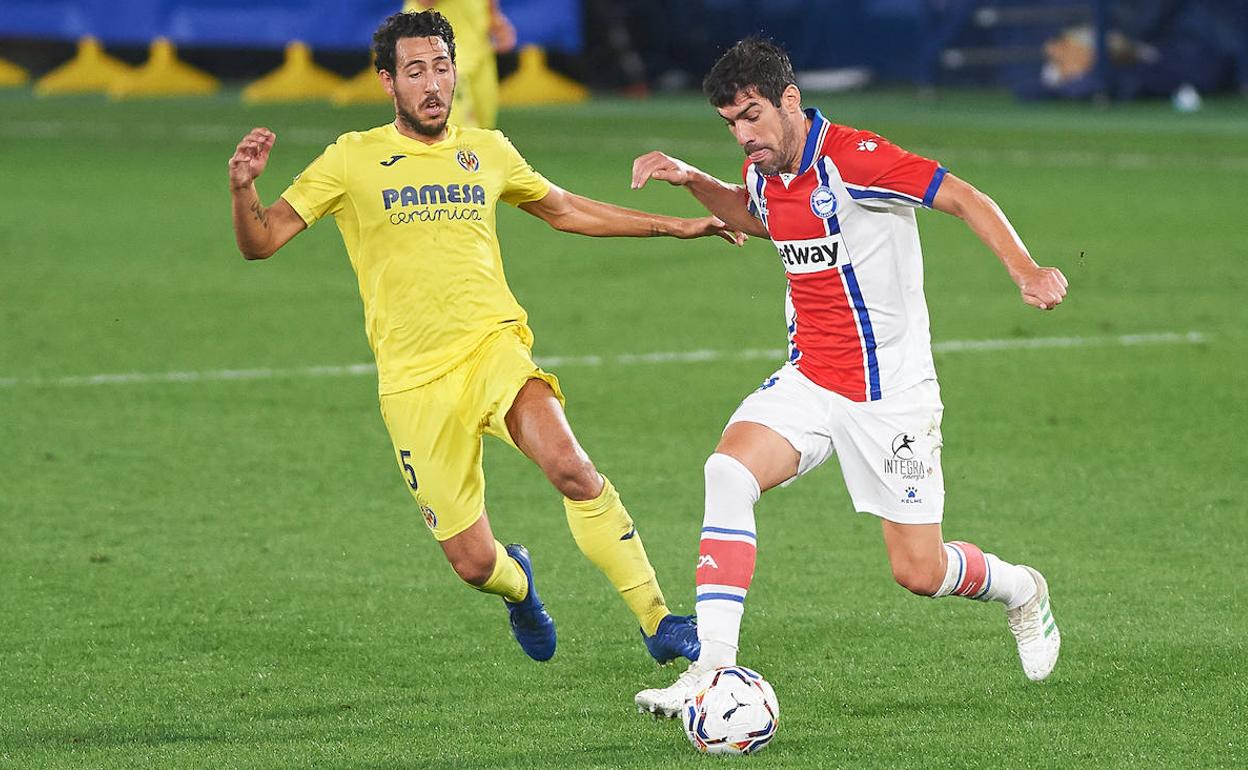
<point x="622" y="359"/>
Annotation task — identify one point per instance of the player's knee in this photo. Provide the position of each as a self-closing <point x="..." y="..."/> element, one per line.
<point x="475" y="569"/>
<point x="575" y="476"/>
<point x="917" y="578"/>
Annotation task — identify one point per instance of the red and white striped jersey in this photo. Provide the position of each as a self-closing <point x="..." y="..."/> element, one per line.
<point x="845" y="228"/>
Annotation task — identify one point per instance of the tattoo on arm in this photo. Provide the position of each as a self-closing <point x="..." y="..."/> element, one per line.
<point x="260" y="214"/>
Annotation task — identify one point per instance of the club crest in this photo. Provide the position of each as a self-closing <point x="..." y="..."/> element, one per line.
<point x="823" y="202"/>
<point x="468" y="160"/>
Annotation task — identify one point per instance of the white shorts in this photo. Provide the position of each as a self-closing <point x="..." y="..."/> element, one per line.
<point x="889" y="449"/>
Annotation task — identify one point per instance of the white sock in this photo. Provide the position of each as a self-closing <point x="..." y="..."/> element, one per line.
<point x="982" y="576"/>
<point x="725" y="558"/>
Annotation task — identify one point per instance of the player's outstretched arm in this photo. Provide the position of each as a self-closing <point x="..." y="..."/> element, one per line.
<point x="729" y="202"/>
<point x="574" y="213"/>
<point x="259" y="230"/>
<point x="1042" y="287"/>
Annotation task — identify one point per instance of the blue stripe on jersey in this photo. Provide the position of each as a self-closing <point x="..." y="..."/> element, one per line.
<point x="937" y="178"/>
<point x="868" y="336"/>
<point x="831" y="224"/>
<point x="862" y="194"/>
<point x="759" y="182"/>
<point x="728" y="597"/>
<point x="723" y="531"/>
<point x="817" y="122"/>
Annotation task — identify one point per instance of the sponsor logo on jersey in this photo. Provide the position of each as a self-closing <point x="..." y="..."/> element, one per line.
<point x="433" y="194"/>
<point x="434" y="203"/>
<point x="393" y="159"/>
<point x="823" y="202"/>
<point x="812" y="256"/>
<point x="468" y="160"/>
<point x="867" y="145"/>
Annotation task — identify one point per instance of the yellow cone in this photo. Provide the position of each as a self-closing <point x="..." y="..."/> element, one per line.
<point x="364" y="88"/>
<point x="12" y="75"/>
<point x="163" y="74"/>
<point x="535" y="83"/>
<point x="90" y="71"/>
<point x="299" y="79"/>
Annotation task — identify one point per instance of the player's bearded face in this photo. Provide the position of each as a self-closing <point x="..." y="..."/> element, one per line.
<point x="424" y="85"/>
<point x="769" y="138"/>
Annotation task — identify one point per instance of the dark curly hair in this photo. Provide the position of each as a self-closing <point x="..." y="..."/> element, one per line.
<point x="754" y="62"/>
<point x="407" y="24"/>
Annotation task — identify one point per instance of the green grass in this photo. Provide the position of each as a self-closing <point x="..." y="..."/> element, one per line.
<point x="231" y="574"/>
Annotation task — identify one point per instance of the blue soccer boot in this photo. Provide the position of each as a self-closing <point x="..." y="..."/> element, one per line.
<point x="676" y="637"/>
<point x="531" y="624"/>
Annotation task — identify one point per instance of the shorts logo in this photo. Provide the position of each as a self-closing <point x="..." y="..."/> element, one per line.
<point x="768" y="383"/>
<point x="823" y="202"/>
<point x="903" y="446"/>
<point x="903" y="463"/>
<point x="912" y="496"/>
<point x="468" y="160"/>
<point x="431" y="518"/>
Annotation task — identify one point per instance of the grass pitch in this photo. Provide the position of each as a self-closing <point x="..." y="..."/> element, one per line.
<point x="214" y="570"/>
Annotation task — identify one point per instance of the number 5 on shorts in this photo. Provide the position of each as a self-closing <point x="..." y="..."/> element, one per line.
<point x="408" y="469"/>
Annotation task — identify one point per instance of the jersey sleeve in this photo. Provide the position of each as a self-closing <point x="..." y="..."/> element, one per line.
<point x="522" y="184"/>
<point x="879" y="173"/>
<point x="752" y="204"/>
<point x="320" y="189"/>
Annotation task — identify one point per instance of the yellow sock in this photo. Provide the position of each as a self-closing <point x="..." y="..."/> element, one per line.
<point x="604" y="532"/>
<point x="507" y="580"/>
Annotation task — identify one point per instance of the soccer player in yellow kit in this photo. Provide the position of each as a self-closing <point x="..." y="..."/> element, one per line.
<point x="415" y="202"/>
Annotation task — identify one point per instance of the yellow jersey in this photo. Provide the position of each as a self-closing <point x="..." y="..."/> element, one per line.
<point x="418" y="223"/>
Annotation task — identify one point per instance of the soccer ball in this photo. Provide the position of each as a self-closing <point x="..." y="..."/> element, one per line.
<point x="732" y="711"/>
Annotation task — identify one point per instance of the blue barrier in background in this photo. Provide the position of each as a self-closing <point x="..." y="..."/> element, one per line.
<point x="322" y="24"/>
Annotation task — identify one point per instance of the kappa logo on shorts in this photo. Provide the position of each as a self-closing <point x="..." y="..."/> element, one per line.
<point x="431" y="518"/>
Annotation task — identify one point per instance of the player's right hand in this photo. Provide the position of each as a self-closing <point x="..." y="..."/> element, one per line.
<point x="250" y="157"/>
<point x="657" y="165"/>
<point x="1043" y="287"/>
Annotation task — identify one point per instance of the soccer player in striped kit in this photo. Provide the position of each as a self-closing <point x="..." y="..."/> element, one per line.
<point x="838" y="204"/>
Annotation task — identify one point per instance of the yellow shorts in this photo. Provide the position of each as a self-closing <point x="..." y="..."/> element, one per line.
<point x="437" y="427"/>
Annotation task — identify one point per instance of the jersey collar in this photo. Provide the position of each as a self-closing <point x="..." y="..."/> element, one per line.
<point x="814" y="138"/>
<point x="452" y="135"/>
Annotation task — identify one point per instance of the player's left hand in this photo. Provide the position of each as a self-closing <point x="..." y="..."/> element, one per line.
<point x="1043" y="287"/>
<point x="704" y="226"/>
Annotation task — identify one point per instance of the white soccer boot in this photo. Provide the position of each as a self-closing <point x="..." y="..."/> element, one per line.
<point x="1035" y="630"/>
<point x="668" y="701"/>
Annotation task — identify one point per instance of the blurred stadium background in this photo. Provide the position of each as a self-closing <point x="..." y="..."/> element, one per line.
<point x="209" y="559"/>
<point x="1137" y="47"/>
